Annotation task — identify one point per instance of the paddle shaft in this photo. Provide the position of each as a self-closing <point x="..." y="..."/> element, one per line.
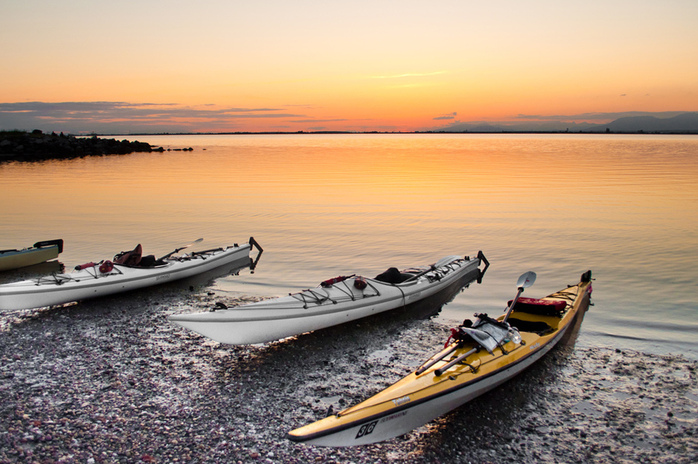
<point x="511" y="307"/>
<point x="180" y="249"/>
<point x="439" y="357"/>
<point x="419" y="275"/>
<point x="525" y="280"/>
<point x="460" y="358"/>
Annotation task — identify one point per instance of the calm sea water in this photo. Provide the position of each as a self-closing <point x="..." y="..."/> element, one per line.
<point x="625" y="207"/>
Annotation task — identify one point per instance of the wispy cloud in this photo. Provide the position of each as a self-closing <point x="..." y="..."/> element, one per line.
<point x="315" y="121"/>
<point x="402" y="76"/>
<point x="129" y="117"/>
<point x="446" y="117"/>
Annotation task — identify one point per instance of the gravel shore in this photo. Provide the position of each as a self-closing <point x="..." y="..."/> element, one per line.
<point x="111" y="380"/>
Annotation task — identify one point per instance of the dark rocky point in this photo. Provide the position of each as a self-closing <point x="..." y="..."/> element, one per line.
<point x="37" y="146"/>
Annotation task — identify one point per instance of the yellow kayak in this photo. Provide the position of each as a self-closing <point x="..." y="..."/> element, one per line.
<point x="38" y="253"/>
<point x="479" y="356"/>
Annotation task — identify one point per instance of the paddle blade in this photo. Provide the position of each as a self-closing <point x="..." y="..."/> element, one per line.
<point x="177" y="250"/>
<point x="526" y="279"/>
<point x="192" y="243"/>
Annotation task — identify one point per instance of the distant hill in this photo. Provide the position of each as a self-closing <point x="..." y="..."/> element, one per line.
<point x="684" y="123"/>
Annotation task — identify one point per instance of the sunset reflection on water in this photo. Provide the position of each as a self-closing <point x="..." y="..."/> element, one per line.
<point x="623" y="206"/>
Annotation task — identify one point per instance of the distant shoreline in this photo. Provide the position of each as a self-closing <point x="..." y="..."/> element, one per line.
<point x="140" y="134"/>
<point x="39" y="146"/>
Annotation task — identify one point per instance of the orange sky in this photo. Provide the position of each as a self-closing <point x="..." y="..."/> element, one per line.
<point x="219" y="65"/>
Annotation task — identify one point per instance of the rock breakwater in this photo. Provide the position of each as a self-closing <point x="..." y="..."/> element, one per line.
<point x="37" y="146"/>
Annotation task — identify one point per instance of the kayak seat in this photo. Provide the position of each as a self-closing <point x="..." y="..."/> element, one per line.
<point x="538" y="327"/>
<point x="129" y="258"/>
<point x="393" y="276"/>
<point x="539" y="307"/>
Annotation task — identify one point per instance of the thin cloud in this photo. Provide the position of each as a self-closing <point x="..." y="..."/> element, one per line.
<point x="446" y="117"/>
<point x="315" y="121"/>
<point x="122" y="108"/>
<point x="125" y="116"/>
<point x="401" y="76"/>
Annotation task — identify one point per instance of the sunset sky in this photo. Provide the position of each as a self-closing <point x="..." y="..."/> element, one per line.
<point x="272" y="65"/>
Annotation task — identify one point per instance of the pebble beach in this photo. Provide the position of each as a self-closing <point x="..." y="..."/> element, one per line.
<point x="113" y="381"/>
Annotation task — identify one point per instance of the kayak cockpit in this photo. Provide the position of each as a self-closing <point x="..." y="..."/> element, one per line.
<point x="135" y="258"/>
<point x="538" y="327"/>
<point x="393" y="276"/>
<point x="541" y="316"/>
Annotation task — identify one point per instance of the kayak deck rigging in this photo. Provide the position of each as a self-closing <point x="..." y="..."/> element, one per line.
<point x="344" y="292"/>
<point x="60" y="279"/>
<point x="318" y="296"/>
<point x="92" y="271"/>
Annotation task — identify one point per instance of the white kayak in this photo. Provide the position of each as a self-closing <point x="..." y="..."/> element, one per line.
<point x="333" y="302"/>
<point x="128" y="271"/>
